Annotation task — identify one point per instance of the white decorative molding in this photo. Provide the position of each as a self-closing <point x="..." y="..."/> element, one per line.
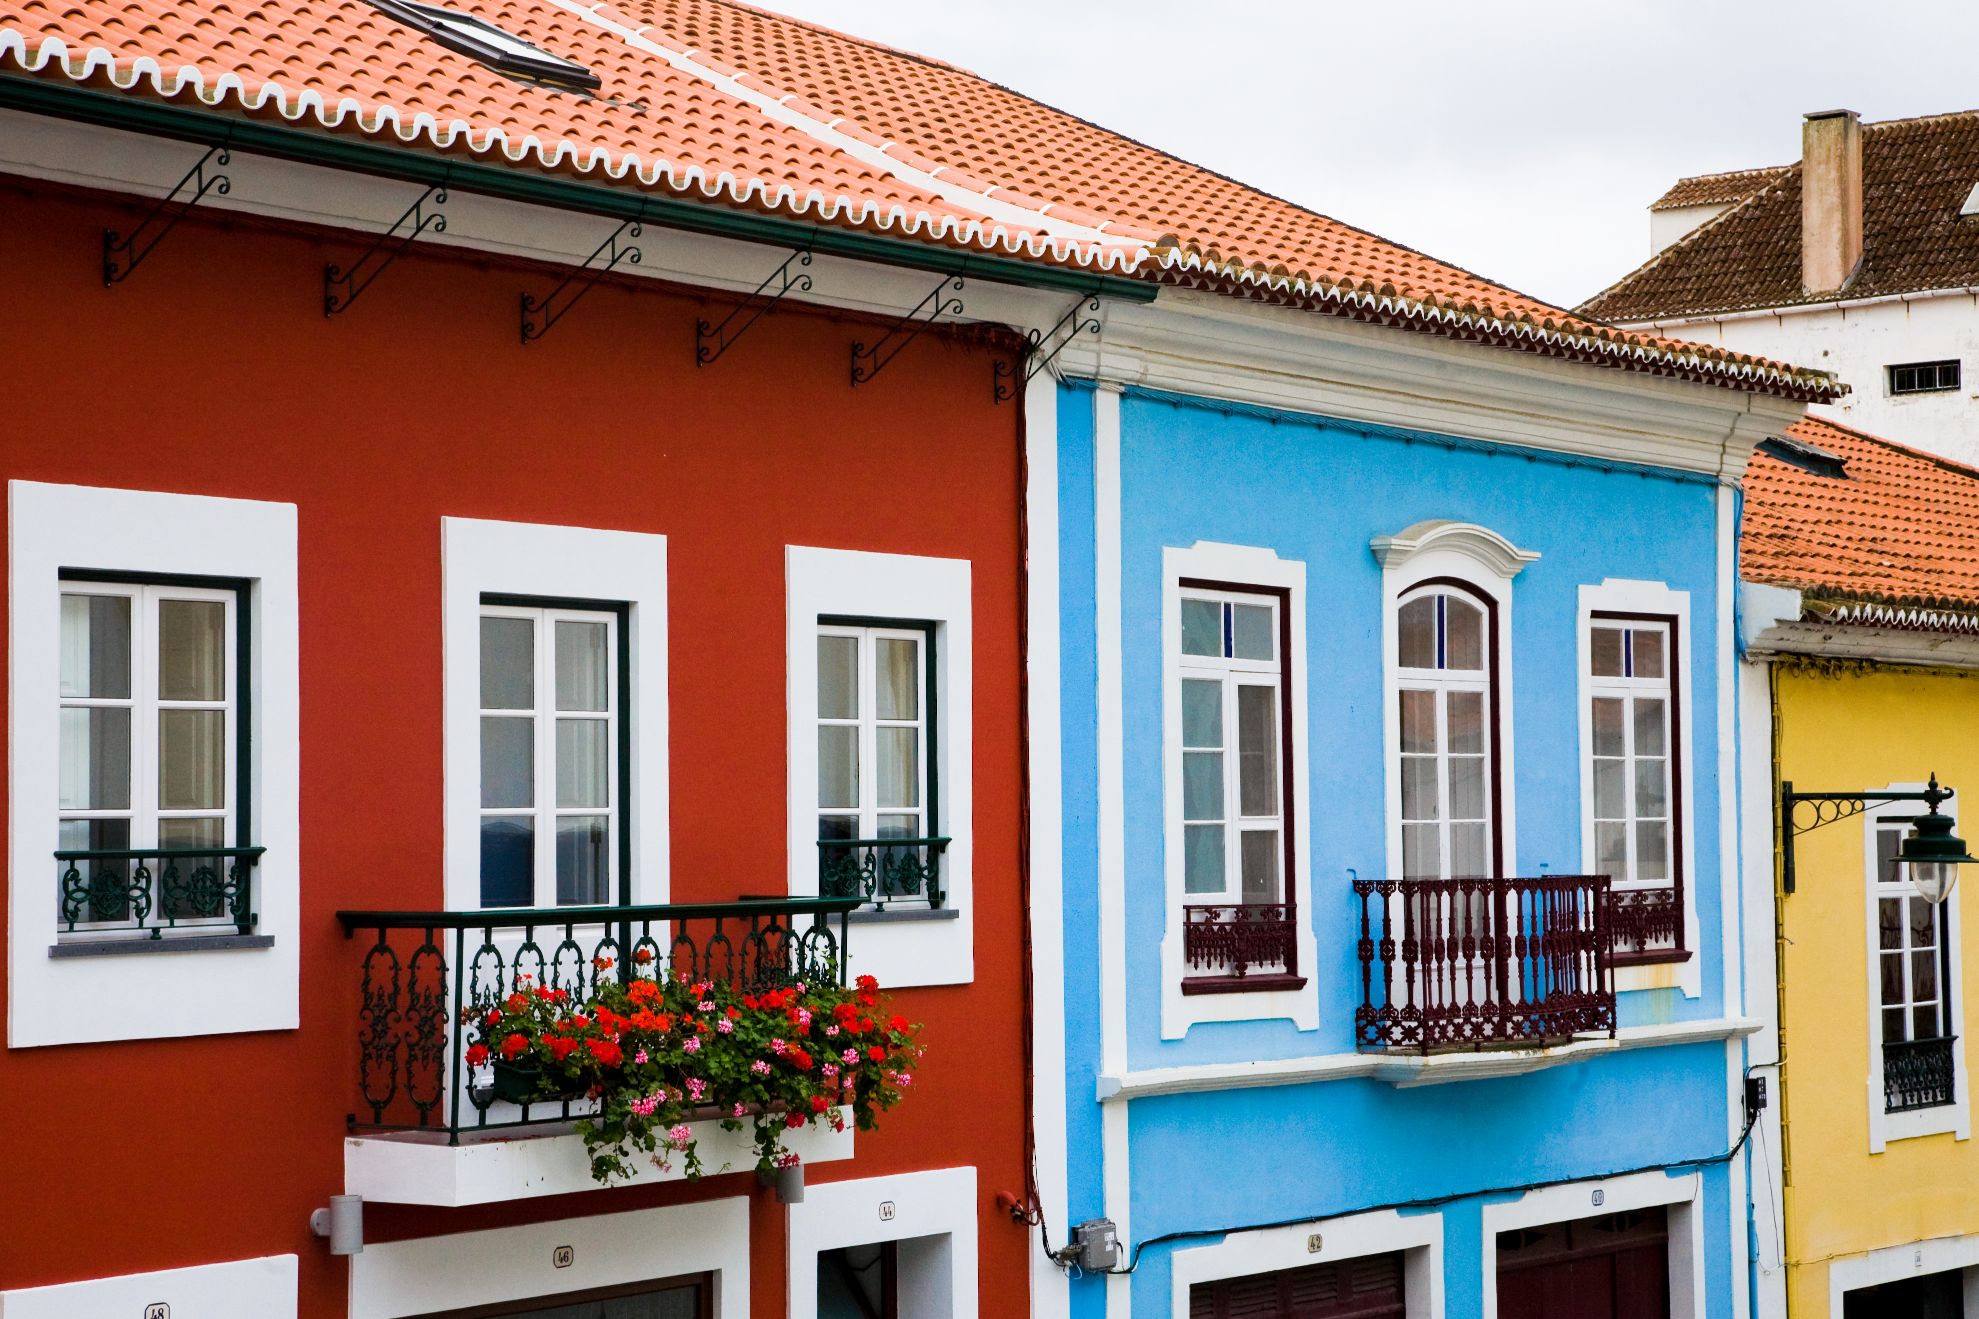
<point x="1682" y="1197"/>
<point x="1910" y="1259"/>
<point x="426" y="1275"/>
<point x="239" y="1289"/>
<point x="1408" y="1069"/>
<point x="932" y="1215"/>
<point x="1497" y="554"/>
<point x="209" y="992"/>
<point x="906" y="586"/>
<point x="1418" y="1237"/>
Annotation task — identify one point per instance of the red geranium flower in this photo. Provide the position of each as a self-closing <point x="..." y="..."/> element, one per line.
<point x="876" y="1053"/>
<point x="477" y="1054"/>
<point x="560" y="1047"/>
<point x="819" y="1103"/>
<point x="642" y="955"/>
<point x="514" y="1047"/>
<point x="897" y="1023"/>
<point x="793" y="1120"/>
<point x="867" y="983"/>
<point x="606" y="1052"/>
<point x="801" y="1059"/>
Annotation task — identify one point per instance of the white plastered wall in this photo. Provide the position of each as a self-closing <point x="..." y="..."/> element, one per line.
<point x="861" y="583"/>
<point x="531" y="559"/>
<point x="239" y="1289"/>
<point x="426" y="1275"/>
<point x="184" y="993"/>
<point x="933" y="1216"/>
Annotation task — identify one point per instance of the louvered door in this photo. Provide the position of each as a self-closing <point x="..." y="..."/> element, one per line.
<point x="1366" y="1288"/>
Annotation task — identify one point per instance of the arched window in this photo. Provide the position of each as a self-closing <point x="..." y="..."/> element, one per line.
<point x="1446" y="651"/>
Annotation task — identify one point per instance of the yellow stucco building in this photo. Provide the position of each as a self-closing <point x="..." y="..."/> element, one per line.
<point x="1861" y="625"/>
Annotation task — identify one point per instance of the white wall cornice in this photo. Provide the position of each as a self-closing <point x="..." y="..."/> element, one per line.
<point x="1298" y="361"/>
<point x="1480" y="543"/>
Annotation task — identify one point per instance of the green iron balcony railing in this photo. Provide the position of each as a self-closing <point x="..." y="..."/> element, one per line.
<point x="885" y="872"/>
<point x="423" y="970"/>
<point x="147" y="891"/>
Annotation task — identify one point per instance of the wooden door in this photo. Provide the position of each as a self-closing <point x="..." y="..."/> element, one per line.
<point x="1613" y="1267"/>
<point x="1366" y="1288"/>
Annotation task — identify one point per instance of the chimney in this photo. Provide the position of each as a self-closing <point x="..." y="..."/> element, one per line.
<point x="1830" y="200"/>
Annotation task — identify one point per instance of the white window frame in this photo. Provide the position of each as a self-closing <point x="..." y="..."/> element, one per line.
<point x="1681" y="1197"/>
<point x="910" y="947"/>
<point x="545" y="812"/>
<point x="195" y="990"/>
<point x="1417" y="1237"/>
<point x="146" y="705"/>
<point x="482" y="558"/>
<point x="934" y="1210"/>
<point x="1487" y="563"/>
<point x="1955" y="1117"/>
<point x="1210" y="561"/>
<point x="1628" y="688"/>
<point x="868" y="722"/>
<point x="1232" y="674"/>
<point x="1616" y="595"/>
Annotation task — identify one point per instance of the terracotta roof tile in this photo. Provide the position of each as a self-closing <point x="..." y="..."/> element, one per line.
<point x="1916" y="175"/>
<point x="733" y="105"/>
<point x="1717" y="189"/>
<point x="1901" y="527"/>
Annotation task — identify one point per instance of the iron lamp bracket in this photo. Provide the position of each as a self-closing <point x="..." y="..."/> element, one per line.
<point x="1832" y="807"/>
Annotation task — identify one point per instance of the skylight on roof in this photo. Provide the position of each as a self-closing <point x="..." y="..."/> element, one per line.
<point x="500" y="50"/>
<point x="1807" y="457"/>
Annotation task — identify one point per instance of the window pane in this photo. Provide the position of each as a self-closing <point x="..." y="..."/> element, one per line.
<point x="1604" y="651"/>
<point x="96" y="646"/>
<point x="838" y="766"/>
<point x="1418" y="721"/>
<point x="1202" y="713"/>
<point x="1652" y="850"/>
<point x="1892" y="977"/>
<point x="95" y="767"/>
<point x="1468" y="849"/>
<point x="1202" y="627"/>
<point x="1648" y="653"/>
<point x="1421" y="857"/>
<point x="582" y="666"/>
<point x="1467" y="787"/>
<point x="508" y="861"/>
<point x="1649" y="729"/>
<point x="838" y="826"/>
<point x="1923" y="924"/>
<point x="1651" y="795"/>
<point x="202" y="901"/>
<point x="1257" y="750"/>
<point x="1610" y="790"/>
<point x="1463" y="645"/>
<point x="210" y="831"/>
<point x="192" y="650"/>
<point x="1607" y="721"/>
<point x="583" y="773"/>
<point x="583" y="869"/>
<point x="1415" y="633"/>
<point x="508" y="763"/>
<point x="1259" y="848"/>
<point x="1467" y="723"/>
<point x="838" y="677"/>
<point x="899" y="826"/>
<point x="1419" y="788"/>
<point x="1202" y="785"/>
<point x="899" y="753"/>
<point x="1893" y="1025"/>
<point x="1202" y="858"/>
<point x="898" y="676"/>
<point x="508" y="664"/>
<point x="1889" y="923"/>
<point x="1924" y="1022"/>
<point x="192" y="759"/>
<point x="1611" y="850"/>
<point x="1251" y="632"/>
<point x="1924" y="977"/>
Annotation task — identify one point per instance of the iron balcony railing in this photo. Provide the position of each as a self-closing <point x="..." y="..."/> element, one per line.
<point x="1469" y="963"/>
<point x="886" y="872"/>
<point x="421" y="969"/>
<point x="1918" y="1074"/>
<point x="1648" y="924"/>
<point x="147" y="891"/>
<point x="1239" y="942"/>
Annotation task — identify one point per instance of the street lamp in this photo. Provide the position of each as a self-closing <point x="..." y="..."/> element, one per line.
<point x="1929" y="855"/>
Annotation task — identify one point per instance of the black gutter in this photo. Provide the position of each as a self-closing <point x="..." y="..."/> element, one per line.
<point x="332" y="151"/>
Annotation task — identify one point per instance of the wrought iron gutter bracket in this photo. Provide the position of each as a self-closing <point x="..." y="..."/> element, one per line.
<point x="1042" y="348"/>
<point x="869" y="362"/>
<point x="1833" y="807"/>
<point x="711" y="341"/>
<point x="341" y="286"/>
<point x="122" y="254"/>
<point x="539" y="316"/>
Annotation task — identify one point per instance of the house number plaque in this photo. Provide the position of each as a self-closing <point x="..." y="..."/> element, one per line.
<point x="158" y="1310"/>
<point x="886" y="1211"/>
<point x="563" y="1257"/>
<point x="1314" y="1244"/>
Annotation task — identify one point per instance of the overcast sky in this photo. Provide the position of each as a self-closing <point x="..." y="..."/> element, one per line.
<point x="1520" y="138"/>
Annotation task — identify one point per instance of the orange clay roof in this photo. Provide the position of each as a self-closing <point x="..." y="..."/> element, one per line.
<point x="1901" y="527"/>
<point x="732" y="105"/>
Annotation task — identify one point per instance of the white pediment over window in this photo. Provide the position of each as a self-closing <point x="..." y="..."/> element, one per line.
<point x="1482" y="544"/>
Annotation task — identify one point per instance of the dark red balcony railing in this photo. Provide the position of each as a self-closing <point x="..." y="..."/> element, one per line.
<point x="1234" y="946"/>
<point x="1467" y="963"/>
<point x="1648" y="924"/>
